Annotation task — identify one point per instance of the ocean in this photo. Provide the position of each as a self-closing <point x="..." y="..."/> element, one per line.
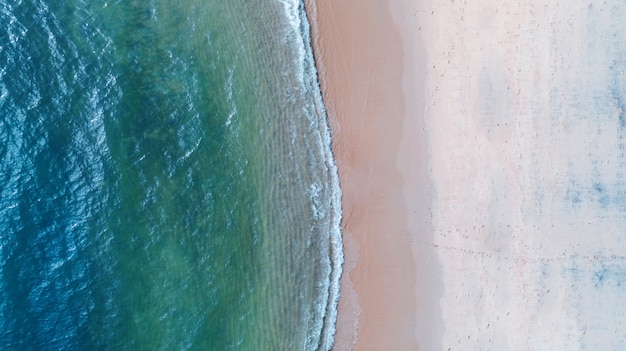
<point x="166" y="178"/>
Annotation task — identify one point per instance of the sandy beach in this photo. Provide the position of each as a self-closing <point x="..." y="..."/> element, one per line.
<point x="363" y="67"/>
<point x="480" y="151"/>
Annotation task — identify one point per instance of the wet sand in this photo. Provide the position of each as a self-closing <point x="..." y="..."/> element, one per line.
<point x="379" y="151"/>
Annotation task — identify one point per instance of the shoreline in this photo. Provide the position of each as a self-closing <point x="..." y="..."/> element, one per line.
<point x="470" y="220"/>
<point x="365" y="61"/>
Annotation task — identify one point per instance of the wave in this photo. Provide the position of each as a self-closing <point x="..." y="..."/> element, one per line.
<point x="307" y="74"/>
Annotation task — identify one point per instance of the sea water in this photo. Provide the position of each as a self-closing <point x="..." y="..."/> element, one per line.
<point x="166" y="179"/>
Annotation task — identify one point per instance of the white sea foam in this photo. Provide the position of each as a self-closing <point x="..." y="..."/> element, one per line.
<point x="331" y="198"/>
<point x="297" y="34"/>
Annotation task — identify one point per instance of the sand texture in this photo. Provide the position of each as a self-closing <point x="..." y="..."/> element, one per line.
<point x="525" y="121"/>
<point x="481" y="151"/>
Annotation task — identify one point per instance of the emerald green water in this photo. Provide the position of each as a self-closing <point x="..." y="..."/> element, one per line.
<point x="167" y="182"/>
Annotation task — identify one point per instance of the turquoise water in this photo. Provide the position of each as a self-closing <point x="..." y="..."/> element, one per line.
<point x="166" y="180"/>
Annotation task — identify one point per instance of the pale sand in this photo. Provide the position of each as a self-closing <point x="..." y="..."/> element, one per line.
<point x="378" y="149"/>
<point x="526" y="121"/>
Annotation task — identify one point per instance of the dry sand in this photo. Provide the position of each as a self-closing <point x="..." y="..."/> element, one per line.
<point x="525" y="119"/>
